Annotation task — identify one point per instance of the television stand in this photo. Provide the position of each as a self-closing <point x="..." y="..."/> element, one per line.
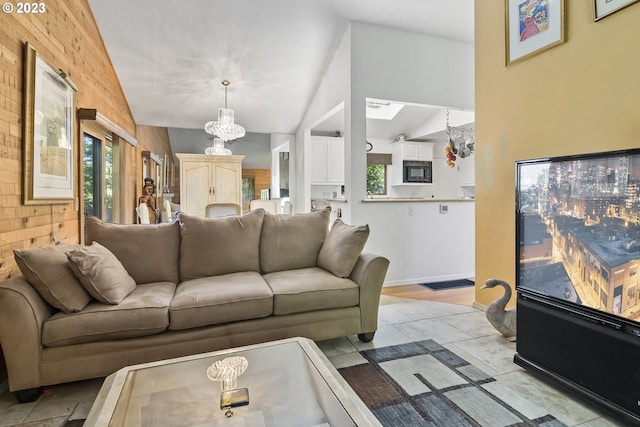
<point x="595" y="360"/>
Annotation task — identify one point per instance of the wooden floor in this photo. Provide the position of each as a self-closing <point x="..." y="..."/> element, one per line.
<point x="460" y="296"/>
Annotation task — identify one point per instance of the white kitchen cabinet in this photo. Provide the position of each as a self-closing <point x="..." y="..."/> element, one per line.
<point x="415" y="151"/>
<point x="409" y="151"/>
<point x="466" y="170"/>
<point x="327" y="160"/>
<point x="207" y="179"/>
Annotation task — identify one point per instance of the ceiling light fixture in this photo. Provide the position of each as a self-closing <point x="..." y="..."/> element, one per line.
<point x="225" y="128"/>
<point x="217" y="149"/>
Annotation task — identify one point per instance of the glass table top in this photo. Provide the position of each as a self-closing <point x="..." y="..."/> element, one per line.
<point x="290" y="383"/>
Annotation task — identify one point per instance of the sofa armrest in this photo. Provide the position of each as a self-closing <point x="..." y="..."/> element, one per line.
<point x="369" y="274"/>
<point x="22" y="314"/>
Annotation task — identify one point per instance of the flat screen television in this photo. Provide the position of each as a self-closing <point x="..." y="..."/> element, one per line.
<point x="578" y="234"/>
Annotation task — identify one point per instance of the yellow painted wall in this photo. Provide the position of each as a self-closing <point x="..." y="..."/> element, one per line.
<point x="578" y="97"/>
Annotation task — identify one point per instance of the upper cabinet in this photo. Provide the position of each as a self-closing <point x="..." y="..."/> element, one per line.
<point x="327" y="160"/>
<point x="412" y="163"/>
<point x="413" y="151"/>
<point x="207" y="179"/>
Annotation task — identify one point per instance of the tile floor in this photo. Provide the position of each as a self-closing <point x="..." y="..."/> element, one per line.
<point x="464" y="330"/>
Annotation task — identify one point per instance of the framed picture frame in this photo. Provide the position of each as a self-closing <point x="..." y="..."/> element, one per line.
<point x="49" y="142"/>
<point x="532" y="27"/>
<point x="604" y="8"/>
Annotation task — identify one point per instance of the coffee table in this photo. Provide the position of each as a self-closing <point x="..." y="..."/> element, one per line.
<point x="290" y="383"/>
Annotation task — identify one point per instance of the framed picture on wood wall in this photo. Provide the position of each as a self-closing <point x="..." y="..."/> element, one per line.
<point x="532" y="26"/>
<point x="603" y="8"/>
<point x="49" y="137"/>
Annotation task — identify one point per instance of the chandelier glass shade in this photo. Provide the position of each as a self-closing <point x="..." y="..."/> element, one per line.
<point x="225" y="128"/>
<point x="217" y="149"/>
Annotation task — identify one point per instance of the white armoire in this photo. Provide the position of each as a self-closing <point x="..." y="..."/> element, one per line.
<point x="206" y="179"/>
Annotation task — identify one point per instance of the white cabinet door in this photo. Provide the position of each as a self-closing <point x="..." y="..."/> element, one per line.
<point x="196" y="181"/>
<point x="417" y="151"/>
<point x="466" y="171"/>
<point x="327" y="160"/>
<point x="225" y="183"/>
<point x="335" y="160"/>
<point x="318" y="161"/>
<point x="409" y="152"/>
<point x="424" y="152"/>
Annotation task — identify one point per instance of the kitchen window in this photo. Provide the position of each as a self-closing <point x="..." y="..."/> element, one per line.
<point x="377" y="173"/>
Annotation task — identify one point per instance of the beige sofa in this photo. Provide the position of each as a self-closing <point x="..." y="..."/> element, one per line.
<point x="148" y="292"/>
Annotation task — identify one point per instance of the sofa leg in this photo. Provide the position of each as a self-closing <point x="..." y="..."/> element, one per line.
<point x="27" y="395"/>
<point x="367" y="336"/>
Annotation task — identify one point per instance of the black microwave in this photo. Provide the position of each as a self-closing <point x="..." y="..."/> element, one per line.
<point x="417" y="172"/>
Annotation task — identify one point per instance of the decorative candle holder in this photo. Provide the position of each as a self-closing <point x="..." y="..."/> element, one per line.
<point x="227" y="372"/>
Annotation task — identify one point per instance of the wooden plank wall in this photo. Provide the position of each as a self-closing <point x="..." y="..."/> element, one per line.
<point x="65" y="36"/>
<point x="156" y="140"/>
<point x="262" y="179"/>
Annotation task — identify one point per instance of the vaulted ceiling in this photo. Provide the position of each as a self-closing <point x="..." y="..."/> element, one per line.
<point x="171" y="55"/>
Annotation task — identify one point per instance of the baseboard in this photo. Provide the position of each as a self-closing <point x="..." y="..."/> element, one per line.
<point x="431" y="279"/>
<point x="479" y="306"/>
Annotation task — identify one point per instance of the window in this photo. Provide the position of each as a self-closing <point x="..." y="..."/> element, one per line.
<point x="100" y="175"/>
<point x="377" y="179"/>
<point x="377" y="173"/>
<point x="92" y="171"/>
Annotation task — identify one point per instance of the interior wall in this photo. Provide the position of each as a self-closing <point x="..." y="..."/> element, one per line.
<point x="280" y="177"/>
<point x="578" y="97"/>
<point x="407" y="67"/>
<point x="67" y="38"/>
<point x="447" y="181"/>
<point x="155" y="140"/>
<point x="261" y="181"/>
<point x="416" y="68"/>
<point x="254" y="146"/>
<point x="333" y="89"/>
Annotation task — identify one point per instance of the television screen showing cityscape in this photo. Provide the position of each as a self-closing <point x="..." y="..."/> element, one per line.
<point x="578" y="230"/>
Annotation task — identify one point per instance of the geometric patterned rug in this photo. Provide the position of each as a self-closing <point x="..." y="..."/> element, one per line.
<point x="425" y="384"/>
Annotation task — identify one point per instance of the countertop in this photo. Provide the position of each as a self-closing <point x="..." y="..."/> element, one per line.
<point x="414" y="199"/>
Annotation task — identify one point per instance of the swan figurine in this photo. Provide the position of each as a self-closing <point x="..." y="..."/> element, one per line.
<point x="503" y="320"/>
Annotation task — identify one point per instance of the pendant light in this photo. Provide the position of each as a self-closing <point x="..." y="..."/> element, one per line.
<point x="225" y="128"/>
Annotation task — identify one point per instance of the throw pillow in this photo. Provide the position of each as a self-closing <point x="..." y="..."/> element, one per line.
<point x="101" y="274"/>
<point x="48" y="271"/>
<point x="342" y="248"/>
<point x="290" y="242"/>
<point x="149" y="252"/>
<point x="214" y="246"/>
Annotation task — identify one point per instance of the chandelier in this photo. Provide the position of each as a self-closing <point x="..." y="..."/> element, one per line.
<point x="225" y="128"/>
<point x="217" y="149"/>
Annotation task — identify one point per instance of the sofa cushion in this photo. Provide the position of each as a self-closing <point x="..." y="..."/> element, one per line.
<point x="144" y="312"/>
<point x="214" y="246"/>
<point x="47" y="269"/>
<point x="309" y="289"/>
<point x="220" y="299"/>
<point x="149" y="252"/>
<point x="101" y="273"/>
<point x="290" y="242"/>
<point x="342" y="247"/>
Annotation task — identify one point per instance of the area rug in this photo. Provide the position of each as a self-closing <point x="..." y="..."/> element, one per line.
<point x="449" y="284"/>
<point x="425" y="384"/>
